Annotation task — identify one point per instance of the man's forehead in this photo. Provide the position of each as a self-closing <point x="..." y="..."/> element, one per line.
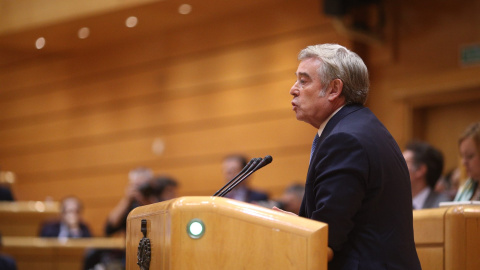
<point x="308" y="67"/>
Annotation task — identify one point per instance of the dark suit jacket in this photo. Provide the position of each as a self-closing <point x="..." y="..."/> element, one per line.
<point x="358" y="183"/>
<point x="6" y="194"/>
<point x="255" y="196"/>
<point x="52" y="229"/>
<point x="7" y="262"/>
<point x="434" y="199"/>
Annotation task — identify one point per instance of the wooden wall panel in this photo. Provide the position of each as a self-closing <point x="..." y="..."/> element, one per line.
<point x="444" y="124"/>
<point x="423" y="48"/>
<point x="259" y="134"/>
<point x="152" y="49"/>
<point x="148" y="113"/>
<point x="77" y="122"/>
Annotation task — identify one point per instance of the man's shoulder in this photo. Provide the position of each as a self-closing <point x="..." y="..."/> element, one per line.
<point x="434" y="199"/>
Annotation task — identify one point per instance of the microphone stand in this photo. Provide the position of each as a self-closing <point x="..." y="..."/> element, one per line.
<point x="257" y="165"/>
<point x="245" y="169"/>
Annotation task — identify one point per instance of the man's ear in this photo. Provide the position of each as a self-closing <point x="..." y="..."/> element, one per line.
<point x="335" y="89"/>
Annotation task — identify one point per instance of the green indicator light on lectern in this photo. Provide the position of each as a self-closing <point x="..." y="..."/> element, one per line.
<point x="195" y="228"/>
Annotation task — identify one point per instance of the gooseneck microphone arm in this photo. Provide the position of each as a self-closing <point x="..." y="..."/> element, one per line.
<point x="265" y="161"/>
<point x="247" y="167"/>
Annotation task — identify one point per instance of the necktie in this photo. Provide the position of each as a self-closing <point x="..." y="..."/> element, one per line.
<point x="314" y="145"/>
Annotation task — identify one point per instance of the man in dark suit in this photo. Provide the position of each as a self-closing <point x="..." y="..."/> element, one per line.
<point x="6" y="194"/>
<point x="357" y="181"/>
<point x="231" y="166"/>
<point x="70" y="224"/>
<point x="425" y="166"/>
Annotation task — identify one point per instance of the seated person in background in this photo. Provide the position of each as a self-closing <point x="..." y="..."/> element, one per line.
<point x="117" y="219"/>
<point x="6" y="194"/>
<point x="144" y="189"/>
<point x="160" y="188"/>
<point x="6" y="178"/>
<point x="70" y="224"/>
<point x="231" y="166"/>
<point x="292" y="198"/>
<point x="425" y="165"/>
<point x="290" y="201"/>
<point x="469" y="145"/>
<point x="6" y="262"/>
<point x="449" y="183"/>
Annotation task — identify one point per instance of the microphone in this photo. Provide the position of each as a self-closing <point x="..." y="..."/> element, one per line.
<point x="265" y="161"/>
<point x="250" y="165"/>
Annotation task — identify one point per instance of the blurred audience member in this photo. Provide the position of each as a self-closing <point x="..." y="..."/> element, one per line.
<point x="231" y="166"/>
<point x="117" y="219"/>
<point x="6" y="179"/>
<point x="6" y="262"/>
<point x="70" y="224"/>
<point x="6" y="194"/>
<point x="144" y="188"/>
<point x="160" y="188"/>
<point x="292" y="198"/>
<point x="469" y="146"/>
<point x="425" y="165"/>
<point x="449" y="183"/>
<point x="290" y="201"/>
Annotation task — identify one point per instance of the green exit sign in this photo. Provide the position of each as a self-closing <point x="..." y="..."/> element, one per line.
<point x="470" y="55"/>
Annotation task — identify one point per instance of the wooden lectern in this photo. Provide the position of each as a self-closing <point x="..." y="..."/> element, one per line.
<point x="220" y="233"/>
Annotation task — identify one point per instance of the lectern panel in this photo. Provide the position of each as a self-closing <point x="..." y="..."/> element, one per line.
<point x="225" y="234"/>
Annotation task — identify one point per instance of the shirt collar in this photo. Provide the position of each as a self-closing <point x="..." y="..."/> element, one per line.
<point x="322" y="126"/>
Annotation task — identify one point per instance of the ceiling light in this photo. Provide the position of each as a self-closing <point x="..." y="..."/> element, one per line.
<point x="83" y="33"/>
<point x="40" y="43"/>
<point x="185" y="9"/>
<point x="131" y="21"/>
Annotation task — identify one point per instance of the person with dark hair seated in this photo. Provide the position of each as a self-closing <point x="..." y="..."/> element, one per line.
<point x="159" y="188"/>
<point x="231" y="166"/>
<point x="6" y="179"/>
<point x="6" y="194"/>
<point x="70" y="224"/>
<point x="292" y="198"/>
<point x="117" y="219"/>
<point x="144" y="189"/>
<point x="425" y="165"/>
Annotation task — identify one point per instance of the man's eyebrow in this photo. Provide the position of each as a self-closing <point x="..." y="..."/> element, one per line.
<point x="303" y="74"/>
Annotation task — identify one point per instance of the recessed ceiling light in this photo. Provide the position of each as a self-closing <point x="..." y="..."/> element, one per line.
<point x="83" y="33"/>
<point x="185" y="9"/>
<point x="40" y="43"/>
<point x="131" y="21"/>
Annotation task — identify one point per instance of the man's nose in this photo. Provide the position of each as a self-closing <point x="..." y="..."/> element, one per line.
<point x="294" y="89"/>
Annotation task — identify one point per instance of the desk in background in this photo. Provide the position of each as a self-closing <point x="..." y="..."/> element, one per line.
<point x="23" y="218"/>
<point x="53" y="253"/>
<point x="448" y="238"/>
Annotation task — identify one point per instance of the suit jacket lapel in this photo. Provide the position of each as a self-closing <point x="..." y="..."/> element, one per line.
<point x="346" y="110"/>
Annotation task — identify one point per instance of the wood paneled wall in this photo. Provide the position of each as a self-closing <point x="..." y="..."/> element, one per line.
<point x="418" y="80"/>
<point x="77" y="123"/>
